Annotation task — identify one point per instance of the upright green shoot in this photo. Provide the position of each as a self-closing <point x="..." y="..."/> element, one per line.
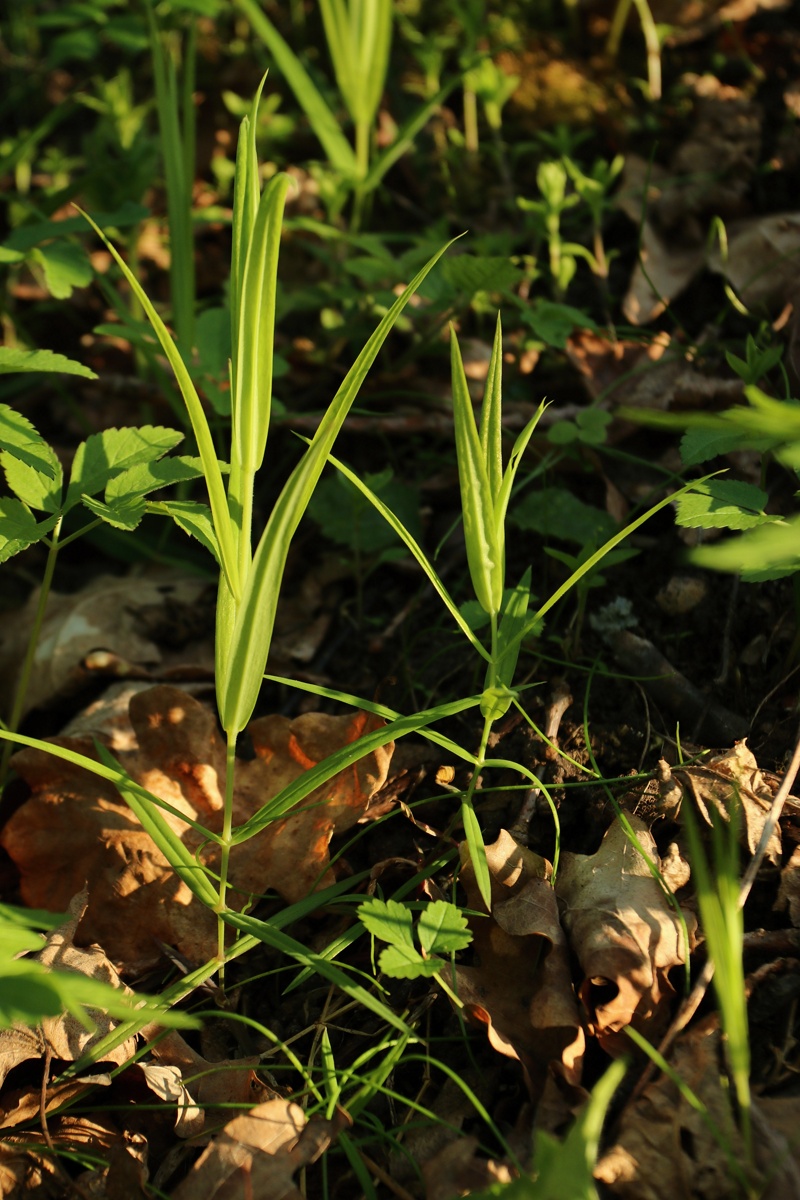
<point x="177" y="125"/>
<point x="722" y="919"/>
<point x="250" y="579"/>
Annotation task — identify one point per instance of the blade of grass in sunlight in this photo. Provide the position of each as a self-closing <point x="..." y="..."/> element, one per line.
<point x="223" y="526"/>
<point x="323" y="121"/>
<point x="243" y="672"/>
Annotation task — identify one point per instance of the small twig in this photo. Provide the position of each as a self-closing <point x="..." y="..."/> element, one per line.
<point x="384" y="1177"/>
<point x="560" y="701"/>
<point x="693" y="1000"/>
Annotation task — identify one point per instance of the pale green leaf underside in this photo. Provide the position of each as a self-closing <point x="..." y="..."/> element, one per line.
<point x="192" y="518"/>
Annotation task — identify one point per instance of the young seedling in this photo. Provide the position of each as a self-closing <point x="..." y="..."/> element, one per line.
<point x="547" y="213"/>
<point x="441" y="929"/>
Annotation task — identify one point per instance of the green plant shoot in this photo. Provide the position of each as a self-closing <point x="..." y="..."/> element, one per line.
<point x="441" y="929"/>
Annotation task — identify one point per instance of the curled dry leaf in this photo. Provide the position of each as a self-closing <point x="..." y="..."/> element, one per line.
<point x="625" y="934"/>
<point x="131" y="623"/>
<point x="75" y="827"/>
<point x="65" y="1036"/>
<point x="258" y="1153"/>
<point x="718" y="783"/>
<point x="664" y="1147"/>
<point x="520" y="988"/>
<point x="218" y="1084"/>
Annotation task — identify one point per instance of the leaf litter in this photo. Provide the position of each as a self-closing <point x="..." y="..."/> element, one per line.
<point x="554" y="974"/>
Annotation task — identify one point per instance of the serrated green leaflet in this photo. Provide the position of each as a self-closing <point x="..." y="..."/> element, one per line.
<point x="33" y="487"/>
<point x="20" y="439"/>
<point x="387" y="920"/>
<point x="13" y="359"/>
<point x="442" y="928"/>
<point x="104" y="455"/>
<point x="404" y="962"/>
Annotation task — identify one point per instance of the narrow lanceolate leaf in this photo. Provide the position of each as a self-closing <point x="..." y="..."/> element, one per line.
<point x="359" y="38"/>
<point x="520" y="445"/>
<point x="246" y="190"/>
<point x="310" y="780"/>
<point x="415" y="548"/>
<point x="491" y="429"/>
<point x="484" y="547"/>
<point x="271" y="936"/>
<point x="239" y="682"/>
<point x="512" y="625"/>
<point x="477" y="852"/>
<point x="323" y="121"/>
<point x="20" y="438"/>
<point x="153" y="822"/>
<point x="251" y="402"/>
<point x="223" y="524"/>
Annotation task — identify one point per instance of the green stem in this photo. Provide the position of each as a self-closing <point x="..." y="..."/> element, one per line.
<point x="617" y="26"/>
<point x="80" y="532"/>
<point x="227" y="832"/>
<point x="30" y="653"/>
<point x="448" y="990"/>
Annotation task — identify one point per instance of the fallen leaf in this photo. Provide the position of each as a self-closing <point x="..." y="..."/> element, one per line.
<point x="734" y="775"/>
<point x="664" y="1148"/>
<point x="64" y="1036"/>
<point x="76" y="828"/>
<point x="662" y="272"/>
<point x="760" y="260"/>
<point x="198" y="1084"/>
<point x="625" y="934"/>
<point x="520" y="988"/>
<point x="257" y="1154"/>
<point x="131" y="621"/>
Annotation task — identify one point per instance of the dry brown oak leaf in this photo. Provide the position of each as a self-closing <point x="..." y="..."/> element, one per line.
<point x="625" y="934"/>
<point x="520" y="988"/>
<point x="76" y="828"/>
<point x="63" y="1035"/>
<point x="665" y="1147"/>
